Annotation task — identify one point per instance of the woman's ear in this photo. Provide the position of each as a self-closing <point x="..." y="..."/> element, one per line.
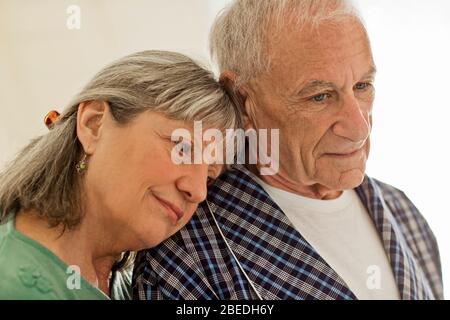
<point x="240" y="97"/>
<point x="90" y="119"/>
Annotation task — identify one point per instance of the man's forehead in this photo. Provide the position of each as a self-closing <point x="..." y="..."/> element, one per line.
<point x="325" y="39"/>
<point x="322" y="50"/>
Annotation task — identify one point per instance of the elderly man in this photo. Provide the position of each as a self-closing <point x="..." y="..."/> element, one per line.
<point x="319" y="228"/>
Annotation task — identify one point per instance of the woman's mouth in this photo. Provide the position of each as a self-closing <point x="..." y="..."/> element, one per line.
<point x="173" y="212"/>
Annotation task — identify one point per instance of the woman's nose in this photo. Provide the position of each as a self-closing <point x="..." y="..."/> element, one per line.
<point x="193" y="182"/>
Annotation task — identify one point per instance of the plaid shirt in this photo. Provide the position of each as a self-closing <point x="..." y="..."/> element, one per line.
<point x="196" y="263"/>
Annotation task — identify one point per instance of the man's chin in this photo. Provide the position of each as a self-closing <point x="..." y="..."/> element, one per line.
<point x="346" y="180"/>
<point x="351" y="179"/>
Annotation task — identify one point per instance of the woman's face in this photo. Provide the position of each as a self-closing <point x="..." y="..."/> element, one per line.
<point x="134" y="189"/>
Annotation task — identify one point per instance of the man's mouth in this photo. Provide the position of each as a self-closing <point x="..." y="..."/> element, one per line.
<point x="343" y="155"/>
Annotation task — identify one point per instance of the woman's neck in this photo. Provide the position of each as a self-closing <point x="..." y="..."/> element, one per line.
<point x="84" y="246"/>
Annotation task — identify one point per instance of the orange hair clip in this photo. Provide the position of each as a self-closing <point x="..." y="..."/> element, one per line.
<point x="51" y="118"/>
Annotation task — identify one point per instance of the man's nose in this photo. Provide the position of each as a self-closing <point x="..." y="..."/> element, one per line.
<point x="193" y="182"/>
<point x="353" y="123"/>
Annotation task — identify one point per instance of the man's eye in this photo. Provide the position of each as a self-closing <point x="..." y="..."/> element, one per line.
<point x="320" y="97"/>
<point x="361" y="85"/>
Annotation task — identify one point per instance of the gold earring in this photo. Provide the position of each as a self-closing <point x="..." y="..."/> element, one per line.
<point x="82" y="165"/>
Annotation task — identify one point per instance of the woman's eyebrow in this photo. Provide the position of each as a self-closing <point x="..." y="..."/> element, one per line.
<point x="179" y="138"/>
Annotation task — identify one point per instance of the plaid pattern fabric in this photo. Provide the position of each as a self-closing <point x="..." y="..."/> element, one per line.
<point x="196" y="263"/>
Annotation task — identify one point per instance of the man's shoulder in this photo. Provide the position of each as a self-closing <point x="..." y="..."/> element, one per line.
<point x="408" y="216"/>
<point x="403" y="209"/>
<point x="399" y="203"/>
<point x="237" y="177"/>
<point x="416" y="232"/>
<point x="390" y="193"/>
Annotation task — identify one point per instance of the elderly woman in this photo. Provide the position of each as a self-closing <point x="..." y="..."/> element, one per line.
<point x="102" y="183"/>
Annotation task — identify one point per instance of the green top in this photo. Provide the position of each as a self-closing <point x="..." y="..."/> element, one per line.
<point x="29" y="271"/>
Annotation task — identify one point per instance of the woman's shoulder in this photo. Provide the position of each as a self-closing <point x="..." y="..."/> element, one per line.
<point x="30" y="271"/>
<point x="25" y="273"/>
<point x="26" y="281"/>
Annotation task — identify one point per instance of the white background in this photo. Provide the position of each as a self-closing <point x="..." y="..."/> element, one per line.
<point x="411" y="137"/>
<point x="43" y="64"/>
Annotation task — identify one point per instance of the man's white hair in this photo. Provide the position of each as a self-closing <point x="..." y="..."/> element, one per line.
<point x="238" y="36"/>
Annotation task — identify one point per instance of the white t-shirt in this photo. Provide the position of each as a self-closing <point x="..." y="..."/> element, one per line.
<point x="343" y="234"/>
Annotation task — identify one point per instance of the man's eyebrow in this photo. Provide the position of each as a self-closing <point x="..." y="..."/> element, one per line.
<point x="317" y="85"/>
<point x="371" y="73"/>
<point x="314" y="85"/>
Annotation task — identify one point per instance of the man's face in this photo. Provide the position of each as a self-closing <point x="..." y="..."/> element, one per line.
<point x="319" y="92"/>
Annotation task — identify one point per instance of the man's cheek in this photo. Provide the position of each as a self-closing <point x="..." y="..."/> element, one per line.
<point x="367" y="149"/>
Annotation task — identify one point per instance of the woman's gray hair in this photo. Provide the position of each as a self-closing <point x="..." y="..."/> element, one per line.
<point x="239" y="34"/>
<point x="43" y="176"/>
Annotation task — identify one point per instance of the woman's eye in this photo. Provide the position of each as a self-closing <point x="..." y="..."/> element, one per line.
<point x="361" y="85"/>
<point x="321" y="97"/>
<point x="183" y="147"/>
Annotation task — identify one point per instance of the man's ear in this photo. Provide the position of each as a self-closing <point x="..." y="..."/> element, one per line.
<point x="240" y="97"/>
<point x="90" y="119"/>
